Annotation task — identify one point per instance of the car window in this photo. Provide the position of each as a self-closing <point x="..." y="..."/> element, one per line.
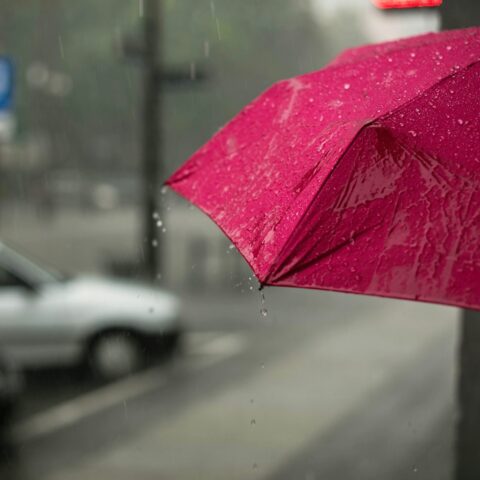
<point x="8" y="280"/>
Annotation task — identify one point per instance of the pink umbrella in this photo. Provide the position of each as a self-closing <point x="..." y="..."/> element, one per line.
<point x="362" y="177"/>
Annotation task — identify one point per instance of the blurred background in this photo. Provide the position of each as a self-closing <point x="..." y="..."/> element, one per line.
<point x="288" y="384"/>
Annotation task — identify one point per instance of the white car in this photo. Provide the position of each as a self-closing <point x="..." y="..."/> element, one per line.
<point x="49" y="320"/>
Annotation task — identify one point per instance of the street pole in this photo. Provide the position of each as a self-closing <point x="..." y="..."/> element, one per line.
<point x="460" y="14"/>
<point x="152" y="143"/>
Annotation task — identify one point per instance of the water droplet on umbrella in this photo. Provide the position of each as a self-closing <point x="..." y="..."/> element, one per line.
<point x="346" y="86"/>
<point x="460" y="121"/>
<point x="413" y="54"/>
<point x="412" y="133"/>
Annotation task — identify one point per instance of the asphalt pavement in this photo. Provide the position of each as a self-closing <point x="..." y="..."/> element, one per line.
<point x="325" y="386"/>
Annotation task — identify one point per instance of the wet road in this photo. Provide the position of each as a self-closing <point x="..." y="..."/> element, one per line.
<point x="325" y="386"/>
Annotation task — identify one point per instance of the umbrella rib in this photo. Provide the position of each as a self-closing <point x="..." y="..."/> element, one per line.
<point x="301" y="266"/>
<point x="288" y="243"/>
<point x="424" y="92"/>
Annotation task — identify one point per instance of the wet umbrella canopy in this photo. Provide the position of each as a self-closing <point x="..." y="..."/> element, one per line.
<point x="361" y="177"/>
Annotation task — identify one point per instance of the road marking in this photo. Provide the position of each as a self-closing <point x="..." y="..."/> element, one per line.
<point x="213" y="347"/>
<point x="215" y="343"/>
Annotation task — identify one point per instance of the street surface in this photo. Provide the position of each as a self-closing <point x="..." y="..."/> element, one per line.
<point x="325" y="386"/>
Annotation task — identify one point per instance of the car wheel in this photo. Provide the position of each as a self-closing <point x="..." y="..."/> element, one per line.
<point x="114" y="355"/>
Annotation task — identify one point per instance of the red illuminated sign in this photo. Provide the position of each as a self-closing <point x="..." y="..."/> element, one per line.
<point x="385" y="4"/>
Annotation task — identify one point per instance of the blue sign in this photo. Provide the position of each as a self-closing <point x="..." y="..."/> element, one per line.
<point x="6" y="84"/>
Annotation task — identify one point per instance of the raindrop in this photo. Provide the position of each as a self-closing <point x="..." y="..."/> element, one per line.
<point x="413" y="54"/>
<point x="346" y="86"/>
<point x="60" y="46"/>
<point x="163" y="190"/>
<point x="159" y="223"/>
<point x="264" y="312"/>
<point x="231" y="246"/>
<point x="155" y="243"/>
<point x="193" y="71"/>
<point x="164" y="230"/>
<point x="156" y="215"/>
<point x="449" y="47"/>
<point x="412" y="133"/>
<point x="460" y="121"/>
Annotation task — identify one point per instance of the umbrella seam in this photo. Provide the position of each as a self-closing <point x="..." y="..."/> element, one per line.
<point x="386" y="116"/>
<point x="274" y="268"/>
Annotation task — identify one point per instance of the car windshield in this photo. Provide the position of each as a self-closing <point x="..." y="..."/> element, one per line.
<point x="27" y="269"/>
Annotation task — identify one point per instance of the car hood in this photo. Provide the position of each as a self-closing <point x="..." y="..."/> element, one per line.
<point x="117" y="297"/>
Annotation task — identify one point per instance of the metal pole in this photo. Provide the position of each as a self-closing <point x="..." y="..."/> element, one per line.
<point x="151" y="137"/>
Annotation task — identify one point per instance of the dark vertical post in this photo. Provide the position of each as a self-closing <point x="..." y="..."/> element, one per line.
<point x="151" y="136"/>
<point x="459" y="14"/>
<point x="467" y="448"/>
